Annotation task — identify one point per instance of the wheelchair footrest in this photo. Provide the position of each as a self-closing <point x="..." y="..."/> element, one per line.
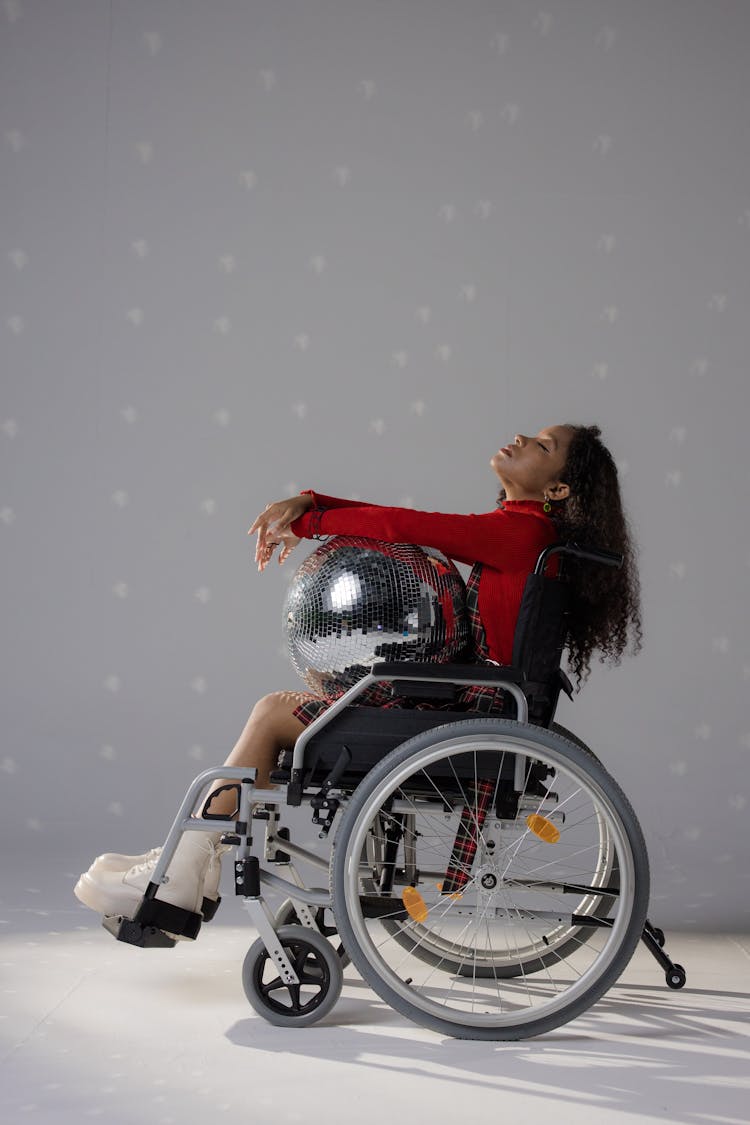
<point x="155" y="924"/>
<point x="135" y="933"/>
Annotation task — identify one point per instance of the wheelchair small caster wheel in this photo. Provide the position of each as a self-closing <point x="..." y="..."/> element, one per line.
<point x="676" y="976"/>
<point x="293" y="1005"/>
<point x="659" y="936"/>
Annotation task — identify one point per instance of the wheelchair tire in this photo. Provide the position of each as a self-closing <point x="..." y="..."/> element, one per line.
<point x="315" y="963"/>
<point x="555" y="946"/>
<point x="286" y="915"/>
<point x="468" y="1004"/>
<point x="558" y="729"/>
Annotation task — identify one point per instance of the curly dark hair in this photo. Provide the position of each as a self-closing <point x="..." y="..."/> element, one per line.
<point x="605" y="601"/>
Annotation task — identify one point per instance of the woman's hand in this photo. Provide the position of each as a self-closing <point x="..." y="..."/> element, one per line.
<point x="272" y="526"/>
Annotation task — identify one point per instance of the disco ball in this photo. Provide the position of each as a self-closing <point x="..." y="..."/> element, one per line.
<point x="356" y="601"/>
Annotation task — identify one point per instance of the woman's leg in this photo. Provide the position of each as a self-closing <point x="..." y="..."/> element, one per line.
<point x="271" y="727"/>
<point x="195" y="868"/>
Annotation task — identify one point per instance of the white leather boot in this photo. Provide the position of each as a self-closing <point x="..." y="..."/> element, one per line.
<point x="112" y="891"/>
<point x="115" y="861"/>
<point x="213" y="872"/>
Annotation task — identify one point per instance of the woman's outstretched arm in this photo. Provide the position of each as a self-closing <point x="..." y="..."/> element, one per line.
<point x="499" y="538"/>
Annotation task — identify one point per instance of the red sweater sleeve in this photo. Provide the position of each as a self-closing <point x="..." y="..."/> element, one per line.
<point x="322" y="501"/>
<point x="501" y="538"/>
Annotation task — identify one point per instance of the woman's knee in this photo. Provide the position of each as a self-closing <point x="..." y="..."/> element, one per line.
<point x="279" y="704"/>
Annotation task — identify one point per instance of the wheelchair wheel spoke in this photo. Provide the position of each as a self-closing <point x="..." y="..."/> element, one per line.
<point x="273" y="986"/>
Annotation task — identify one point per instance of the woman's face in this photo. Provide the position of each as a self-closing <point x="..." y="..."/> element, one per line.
<point x="530" y="466"/>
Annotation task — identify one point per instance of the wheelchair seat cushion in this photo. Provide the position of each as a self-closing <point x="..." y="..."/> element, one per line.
<point x="472" y="698"/>
<point x="368" y="734"/>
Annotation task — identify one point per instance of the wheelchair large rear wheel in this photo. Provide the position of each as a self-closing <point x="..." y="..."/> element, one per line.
<point x="525" y="879"/>
<point x="529" y="956"/>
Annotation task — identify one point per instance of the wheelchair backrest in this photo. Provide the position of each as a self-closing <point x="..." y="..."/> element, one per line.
<point x="542" y="627"/>
<point x="538" y="643"/>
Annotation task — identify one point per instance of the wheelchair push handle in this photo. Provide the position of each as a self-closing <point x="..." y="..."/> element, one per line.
<point x="579" y="551"/>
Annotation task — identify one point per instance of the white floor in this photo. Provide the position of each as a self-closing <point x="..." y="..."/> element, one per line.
<point x="93" y="1028"/>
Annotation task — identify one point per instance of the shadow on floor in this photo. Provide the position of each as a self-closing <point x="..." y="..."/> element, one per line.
<point x="638" y="1048"/>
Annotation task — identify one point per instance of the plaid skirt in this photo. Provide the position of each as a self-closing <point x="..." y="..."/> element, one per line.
<point x="473" y="698"/>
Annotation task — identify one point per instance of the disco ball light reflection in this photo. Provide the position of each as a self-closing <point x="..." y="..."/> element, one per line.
<point x="355" y="601"/>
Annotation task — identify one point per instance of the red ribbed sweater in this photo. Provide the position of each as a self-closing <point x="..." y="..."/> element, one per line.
<point x="505" y="541"/>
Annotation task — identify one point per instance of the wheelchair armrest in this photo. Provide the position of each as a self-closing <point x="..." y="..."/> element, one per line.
<point x="423" y="689"/>
<point x="403" y="670"/>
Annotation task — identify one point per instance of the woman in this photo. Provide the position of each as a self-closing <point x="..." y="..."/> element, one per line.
<point x="559" y="484"/>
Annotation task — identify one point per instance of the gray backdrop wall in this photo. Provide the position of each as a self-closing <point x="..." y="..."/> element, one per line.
<point x="249" y="248"/>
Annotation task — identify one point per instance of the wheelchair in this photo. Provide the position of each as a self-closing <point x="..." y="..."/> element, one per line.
<point x="487" y="877"/>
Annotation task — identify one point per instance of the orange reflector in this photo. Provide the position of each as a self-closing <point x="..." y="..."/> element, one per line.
<point x="415" y="905"/>
<point x="455" y="894"/>
<point x="543" y="828"/>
